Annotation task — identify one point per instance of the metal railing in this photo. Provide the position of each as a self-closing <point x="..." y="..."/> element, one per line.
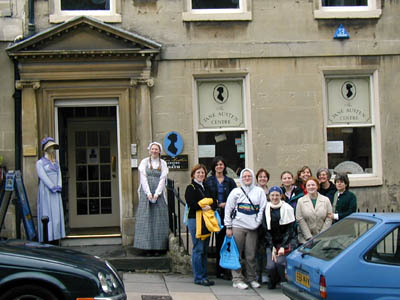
<point x="174" y="212"/>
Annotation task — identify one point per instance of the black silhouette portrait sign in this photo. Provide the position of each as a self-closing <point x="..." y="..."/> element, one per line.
<point x="349" y="90"/>
<point x="221" y="93"/>
<point x="173" y="144"/>
<point x="349" y="100"/>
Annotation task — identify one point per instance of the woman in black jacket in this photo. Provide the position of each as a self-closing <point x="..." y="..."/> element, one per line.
<point x="280" y="235"/>
<point x="194" y="193"/>
<point x="220" y="186"/>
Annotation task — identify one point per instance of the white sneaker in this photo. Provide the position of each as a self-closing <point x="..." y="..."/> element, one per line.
<point x="240" y="285"/>
<point x="254" y="284"/>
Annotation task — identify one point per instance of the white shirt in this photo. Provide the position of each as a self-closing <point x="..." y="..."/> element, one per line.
<point x="143" y="176"/>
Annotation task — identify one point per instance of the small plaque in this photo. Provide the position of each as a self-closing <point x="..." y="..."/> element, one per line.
<point x="30" y="151"/>
<point x="179" y="162"/>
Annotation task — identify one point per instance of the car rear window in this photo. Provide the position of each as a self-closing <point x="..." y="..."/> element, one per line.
<point x="333" y="241"/>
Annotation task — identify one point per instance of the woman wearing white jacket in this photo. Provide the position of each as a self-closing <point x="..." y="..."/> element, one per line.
<point x="243" y="215"/>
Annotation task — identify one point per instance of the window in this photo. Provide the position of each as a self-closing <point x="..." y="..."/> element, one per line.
<point x="343" y="9"/>
<point x="387" y="251"/>
<point x="221" y="126"/>
<point x="222" y="10"/>
<point x="105" y="10"/>
<point x="352" y="128"/>
<point x="336" y="239"/>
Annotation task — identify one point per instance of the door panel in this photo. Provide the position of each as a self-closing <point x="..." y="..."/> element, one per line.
<point x="93" y="189"/>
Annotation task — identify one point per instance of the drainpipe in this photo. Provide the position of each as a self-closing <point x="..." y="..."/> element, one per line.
<point x="17" y="119"/>
<point x="31" y="24"/>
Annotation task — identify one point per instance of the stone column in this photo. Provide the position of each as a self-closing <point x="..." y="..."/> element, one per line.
<point x="144" y="124"/>
<point x="29" y="138"/>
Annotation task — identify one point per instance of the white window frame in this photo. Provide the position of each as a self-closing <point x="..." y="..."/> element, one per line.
<point x="367" y="179"/>
<point x="241" y="14"/>
<point x="347" y="12"/>
<point x="246" y="113"/>
<point x="110" y="16"/>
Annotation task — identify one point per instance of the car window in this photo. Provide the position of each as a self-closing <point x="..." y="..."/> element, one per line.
<point x="333" y="241"/>
<point x="387" y="251"/>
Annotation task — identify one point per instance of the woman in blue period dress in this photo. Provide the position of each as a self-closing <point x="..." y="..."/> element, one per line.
<point x="49" y="202"/>
<point x="151" y="230"/>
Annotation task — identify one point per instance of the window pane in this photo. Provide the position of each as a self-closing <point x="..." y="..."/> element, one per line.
<point x="81" y="189"/>
<point x="92" y="138"/>
<point x="333" y="241"/>
<point x="104" y="138"/>
<point x="105" y="172"/>
<point x="213" y="4"/>
<point x="80" y="139"/>
<point x="104" y="155"/>
<point x="106" y="189"/>
<point x="344" y="2"/>
<point x="94" y="206"/>
<point x="106" y="206"/>
<point x="81" y="173"/>
<point x="93" y="189"/>
<point x="80" y="156"/>
<point x="85" y="5"/>
<point x="387" y="251"/>
<point x="229" y="144"/>
<point x="93" y="172"/>
<point x="356" y="157"/>
<point x="81" y="207"/>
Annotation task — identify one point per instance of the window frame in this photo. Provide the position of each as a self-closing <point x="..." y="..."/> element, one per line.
<point x="232" y="14"/>
<point x="372" y="10"/>
<point x="246" y="129"/>
<point x="110" y="16"/>
<point x="365" y="179"/>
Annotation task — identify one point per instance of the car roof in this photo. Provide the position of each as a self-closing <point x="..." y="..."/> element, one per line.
<point x="386" y="217"/>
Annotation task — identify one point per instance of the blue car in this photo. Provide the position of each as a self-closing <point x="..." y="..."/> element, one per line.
<point x="357" y="258"/>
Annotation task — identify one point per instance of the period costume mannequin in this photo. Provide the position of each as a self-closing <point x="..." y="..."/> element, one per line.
<point x="49" y="202"/>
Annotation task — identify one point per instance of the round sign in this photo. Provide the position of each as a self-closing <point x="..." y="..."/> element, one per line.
<point x="349" y="90"/>
<point x="220" y="93"/>
<point x="173" y="143"/>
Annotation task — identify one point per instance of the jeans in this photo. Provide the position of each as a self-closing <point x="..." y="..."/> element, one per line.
<point x="199" y="253"/>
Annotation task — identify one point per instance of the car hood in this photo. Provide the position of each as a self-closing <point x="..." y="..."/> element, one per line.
<point x="49" y="253"/>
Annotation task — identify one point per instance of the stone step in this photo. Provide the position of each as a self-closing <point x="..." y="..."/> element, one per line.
<point x="125" y="258"/>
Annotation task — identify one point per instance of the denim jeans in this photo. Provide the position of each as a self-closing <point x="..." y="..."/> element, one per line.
<point x="199" y="253"/>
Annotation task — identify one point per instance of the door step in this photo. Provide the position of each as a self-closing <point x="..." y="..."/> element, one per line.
<point x="92" y="237"/>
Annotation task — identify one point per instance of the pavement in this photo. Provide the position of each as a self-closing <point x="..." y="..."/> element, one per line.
<point x="158" y="286"/>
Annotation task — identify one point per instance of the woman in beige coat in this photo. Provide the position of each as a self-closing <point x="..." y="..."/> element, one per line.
<point x="312" y="212"/>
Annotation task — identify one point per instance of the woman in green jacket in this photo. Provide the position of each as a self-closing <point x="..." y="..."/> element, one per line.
<point x="344" y="201"/>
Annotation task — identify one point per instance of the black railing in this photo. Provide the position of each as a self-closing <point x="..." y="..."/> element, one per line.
<point x="174" y="212"/>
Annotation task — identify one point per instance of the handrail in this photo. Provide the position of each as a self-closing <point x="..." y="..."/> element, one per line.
<point x="174" y="212"/>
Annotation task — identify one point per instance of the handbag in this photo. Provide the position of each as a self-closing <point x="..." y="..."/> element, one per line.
<point x="230" y="258"/>
<point x="185" y="215"/>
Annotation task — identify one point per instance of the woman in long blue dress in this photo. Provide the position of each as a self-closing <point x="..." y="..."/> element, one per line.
<point x="49" y="202"/>
<point x="152" y="226"/>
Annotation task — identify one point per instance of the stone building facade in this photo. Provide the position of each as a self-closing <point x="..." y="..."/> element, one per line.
<point x="263" y="83"/>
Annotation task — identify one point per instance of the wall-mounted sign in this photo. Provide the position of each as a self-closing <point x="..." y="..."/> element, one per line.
<point x="348" y="100"/>
<point x="173" y="144"/>
<point x="180" y="162"/>
<point x="220" y="103"/>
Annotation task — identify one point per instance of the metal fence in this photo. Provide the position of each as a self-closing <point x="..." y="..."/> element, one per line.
<point x="175" y="203"/>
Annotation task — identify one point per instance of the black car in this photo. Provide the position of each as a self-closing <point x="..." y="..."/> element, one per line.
<point x="30" y="270"/>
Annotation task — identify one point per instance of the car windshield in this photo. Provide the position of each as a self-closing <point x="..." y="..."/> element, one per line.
<point x="332" y="242"/>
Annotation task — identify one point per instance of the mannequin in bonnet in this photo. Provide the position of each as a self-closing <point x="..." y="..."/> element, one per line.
<point x="49" y="202"/>
<point x="151" y="230"/>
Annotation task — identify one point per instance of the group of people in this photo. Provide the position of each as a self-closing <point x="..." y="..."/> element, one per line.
<point x="266" y="223"/>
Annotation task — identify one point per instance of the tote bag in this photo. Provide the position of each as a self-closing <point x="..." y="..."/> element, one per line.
<point x="230" y="258"/>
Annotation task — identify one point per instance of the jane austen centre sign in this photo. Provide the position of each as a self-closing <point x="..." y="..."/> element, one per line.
<point x="348" y="100"/>
<point x="220" y="103"/>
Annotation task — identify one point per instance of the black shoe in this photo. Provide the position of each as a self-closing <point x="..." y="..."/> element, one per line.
<point x="271" y="285"/>
<point x="210" y="282"/>
<point x="205" y="282"/>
